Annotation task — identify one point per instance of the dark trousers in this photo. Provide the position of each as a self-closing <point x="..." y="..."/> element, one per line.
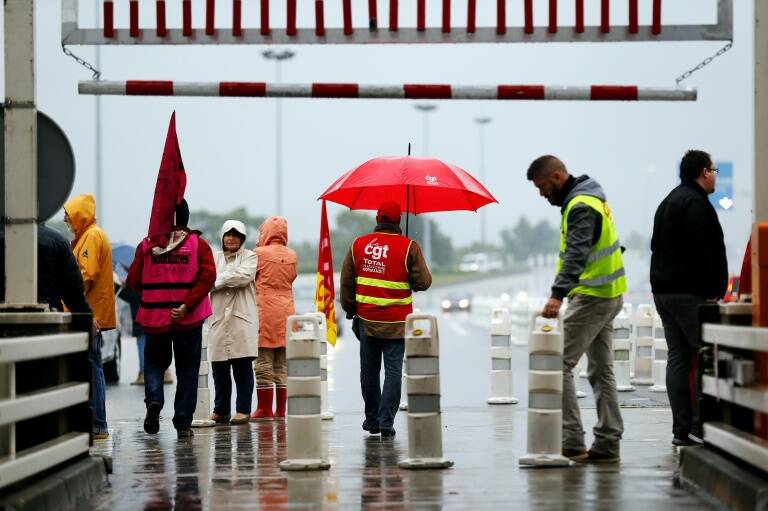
<point x="185" y="347"/>
<point x="243" y="373"/>
<point x="679" y="314"/>
<point x="380" y="406"/>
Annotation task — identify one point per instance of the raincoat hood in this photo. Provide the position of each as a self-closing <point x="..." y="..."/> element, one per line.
<point x="237" y="225"/>
<point x="273" y="231"/>
<point x="81" y="211"/>
<point x="585" y="185"/>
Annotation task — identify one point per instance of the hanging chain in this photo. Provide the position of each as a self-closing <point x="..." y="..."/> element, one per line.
<point x="704" y="63"/>
<point x="82" y="62"/>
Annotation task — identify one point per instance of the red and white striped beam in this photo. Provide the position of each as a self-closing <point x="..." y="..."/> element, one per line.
<point x="403" y="91"/>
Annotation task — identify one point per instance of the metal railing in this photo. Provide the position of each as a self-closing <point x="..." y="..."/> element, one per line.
<point x="45" y="418"/>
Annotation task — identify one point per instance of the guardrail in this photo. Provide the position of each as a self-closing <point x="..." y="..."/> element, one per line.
<point x="45" y="417"/>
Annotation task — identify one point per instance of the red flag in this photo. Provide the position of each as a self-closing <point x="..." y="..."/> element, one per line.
<point x="169" y="189"/>
<point x="324" y="293"/>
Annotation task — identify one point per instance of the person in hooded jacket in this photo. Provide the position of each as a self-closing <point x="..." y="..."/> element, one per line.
<point x="274" y="297"/>
<point x="174" y="281"/>
<point x="590" y="272"/>
<point x="234" y="326"/>
<point x="93" y="253"/>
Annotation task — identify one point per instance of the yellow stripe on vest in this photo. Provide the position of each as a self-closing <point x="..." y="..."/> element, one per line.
<point x="386" y="284"/>
<point x="384" y="302"/>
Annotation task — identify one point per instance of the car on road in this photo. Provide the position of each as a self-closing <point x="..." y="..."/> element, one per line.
<point x="456" y="302"/>
<point x="480" y="262"/>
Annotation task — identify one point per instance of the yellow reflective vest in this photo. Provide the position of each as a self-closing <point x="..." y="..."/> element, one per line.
<point x="603" y="275"/>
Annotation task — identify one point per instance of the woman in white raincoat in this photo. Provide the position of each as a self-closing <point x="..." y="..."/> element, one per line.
<point x="234" y="326"/>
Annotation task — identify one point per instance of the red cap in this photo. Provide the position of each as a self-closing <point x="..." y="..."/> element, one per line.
<point x="390" y="210"/>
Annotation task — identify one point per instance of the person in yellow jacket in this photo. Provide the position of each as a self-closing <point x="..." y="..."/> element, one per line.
<point x="93" y="254"/>
<point x="590" y="272"/>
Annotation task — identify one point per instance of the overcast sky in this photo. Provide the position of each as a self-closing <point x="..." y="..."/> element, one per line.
<point x="228" y="145"/>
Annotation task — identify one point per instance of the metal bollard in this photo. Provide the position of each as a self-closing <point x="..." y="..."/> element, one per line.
<point x="304" y="441"/>
<point x="425" y="431"/>
<point x="622" y="328"/>
<point x="501" y="358"/>
<point x="202" y="416"/>
<point x="545" y="396"/>
<point x="644" y="345"/>
<point x="326" y="413"/>
<point x="659" y="357"/>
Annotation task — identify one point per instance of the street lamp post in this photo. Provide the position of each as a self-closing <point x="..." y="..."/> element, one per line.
<point x="97" y="156"/>
<point x="426" y="108"/>
<point x="278" y="57"/>
<point x="482" y="122"/>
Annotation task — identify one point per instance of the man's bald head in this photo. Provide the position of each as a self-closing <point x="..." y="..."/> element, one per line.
<point x="545" y="165"/>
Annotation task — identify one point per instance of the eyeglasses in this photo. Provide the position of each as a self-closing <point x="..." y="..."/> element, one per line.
<point x="714" y="169"/>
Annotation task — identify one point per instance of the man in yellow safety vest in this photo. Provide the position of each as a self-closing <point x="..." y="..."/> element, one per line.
<point x="590" y="273"/>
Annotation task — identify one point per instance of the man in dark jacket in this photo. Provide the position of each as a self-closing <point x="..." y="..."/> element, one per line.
<point x="688" y="268"/>
<point x="59" y="281"/>
<point x="379" y="275"/>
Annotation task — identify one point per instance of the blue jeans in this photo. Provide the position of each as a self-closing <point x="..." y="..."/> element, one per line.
<point x="380" y="406"/>
<point x="242" y="370"/>
<point x="185" y="347"/>
<point x="141" y="341"/>
<point x="98" y="386"/>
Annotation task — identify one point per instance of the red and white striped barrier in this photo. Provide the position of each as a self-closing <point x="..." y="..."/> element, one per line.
<point x="404" y="91"/>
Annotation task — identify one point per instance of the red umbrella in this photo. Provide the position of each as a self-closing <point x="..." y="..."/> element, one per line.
<point x="421" y="185"/>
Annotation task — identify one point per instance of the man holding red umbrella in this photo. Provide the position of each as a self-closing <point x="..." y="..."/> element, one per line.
<point x="380" y="273"/>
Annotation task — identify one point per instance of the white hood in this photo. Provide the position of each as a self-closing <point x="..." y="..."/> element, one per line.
<point x="236" y="225"/>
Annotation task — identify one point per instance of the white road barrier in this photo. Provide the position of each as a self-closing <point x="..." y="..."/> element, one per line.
<point x="622" y="346"/>
<point x="659" y="357"/>
<point x="643" y="373"/>
<point x="501" y="358"/>
<point x="545" y="396"/>
<point x="326" y="412"/>
<point x="304" y="440"/>
<point x="202" y="416"/>
<point x="425" y="431"/>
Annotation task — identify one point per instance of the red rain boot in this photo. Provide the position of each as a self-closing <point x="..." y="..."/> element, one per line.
<point x="263" y="404"/>
<point x="282" y="397"/>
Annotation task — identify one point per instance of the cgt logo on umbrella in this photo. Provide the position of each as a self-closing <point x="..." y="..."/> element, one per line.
<point x="432" y="180"/>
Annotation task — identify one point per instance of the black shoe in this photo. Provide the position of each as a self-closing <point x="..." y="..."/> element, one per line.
<point x="387" y="433"/>
<point x="185" y="433"/>
<point x="369" y="429"/>
<point x="689" y="441"/>
<point x="152" y="420"/>
<point x="597" y="457"/>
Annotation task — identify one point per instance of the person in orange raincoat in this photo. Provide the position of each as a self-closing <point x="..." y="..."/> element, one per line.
<point x="274" y="297"/>
<point x="93" y="253"/>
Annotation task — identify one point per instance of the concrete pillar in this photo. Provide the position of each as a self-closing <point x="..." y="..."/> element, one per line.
<point x="20" y="156"/>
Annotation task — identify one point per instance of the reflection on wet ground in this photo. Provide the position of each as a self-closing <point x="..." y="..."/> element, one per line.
<point x="237" y="468"/>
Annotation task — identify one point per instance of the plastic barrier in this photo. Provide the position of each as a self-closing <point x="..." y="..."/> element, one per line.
<point x="622" y="347"/>
<point x="659" y="368"/>
<point x="425" y="431"/>
<point x="326" y="412"/>
<point x="643" y="345"/>
<point x="304" y="441"/>
<point x="501" y="358"/>
<point x="403" y="395"/>
<point x="545" y="396"/>
<point x="202" y="415"/>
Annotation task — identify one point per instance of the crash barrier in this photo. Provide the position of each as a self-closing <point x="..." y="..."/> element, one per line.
<point x="519" y="311"/>
<point x="501" y="358"/>
<point x="425" y="431"/>
<point x="622" y="347"/>
<point x="659" y="368"/>
<point x="202" y="416"/>
<point x="545" y="395"/>
<point x="45" y="374"/>
<point x="326" y="413"/>
<point x="304" y="440"/>
<point x="643" y="363"/>
<point x="735" y="401"/>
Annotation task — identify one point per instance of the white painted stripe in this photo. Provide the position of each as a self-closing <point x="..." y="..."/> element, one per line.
<point x="381" y="91"/>
<point x="195" y="89"/>
<point x="474" y="92"/>
<point x="666" y="94"/>
<point x="567" y="93"/>
<point x="289" y="90"/>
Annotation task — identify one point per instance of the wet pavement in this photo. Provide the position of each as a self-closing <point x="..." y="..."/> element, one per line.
<point x="236" y="467"/>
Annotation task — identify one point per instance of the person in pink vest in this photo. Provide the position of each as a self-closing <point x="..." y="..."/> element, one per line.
<point x="174" y="281"/>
